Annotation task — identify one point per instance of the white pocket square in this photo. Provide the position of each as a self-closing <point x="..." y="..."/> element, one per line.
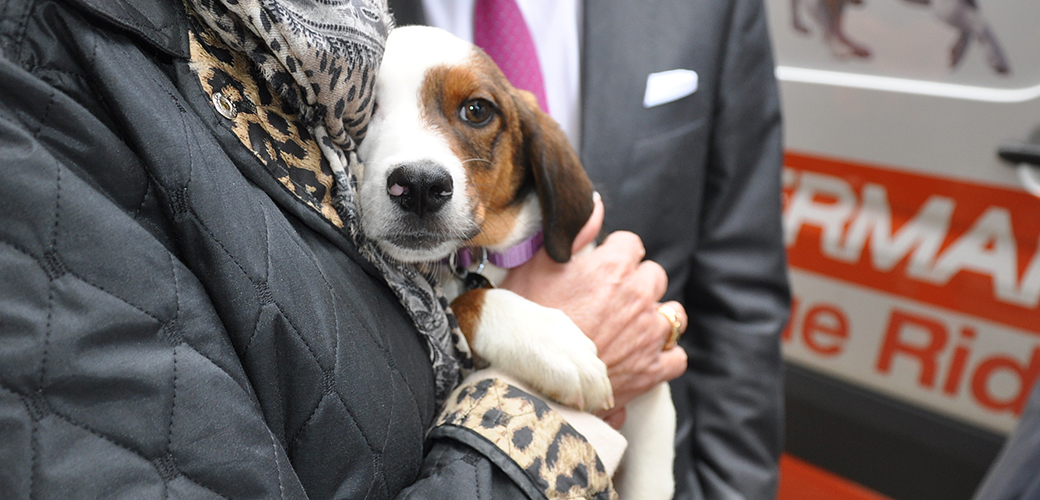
<point x="668" y="86"/>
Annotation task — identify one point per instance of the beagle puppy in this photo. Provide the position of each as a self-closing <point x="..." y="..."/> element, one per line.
<point x="454" y="158"/>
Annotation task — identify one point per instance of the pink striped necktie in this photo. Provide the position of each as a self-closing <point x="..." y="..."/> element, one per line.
<point x="499" y="29"/>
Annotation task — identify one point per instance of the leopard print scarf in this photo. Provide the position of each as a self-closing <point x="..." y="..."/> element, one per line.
<point x="321" y="57"/>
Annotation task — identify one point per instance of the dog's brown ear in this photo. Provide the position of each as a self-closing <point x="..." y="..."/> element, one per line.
<point x="564" y="190"/>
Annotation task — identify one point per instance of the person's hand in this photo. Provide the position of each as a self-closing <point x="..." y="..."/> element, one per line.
<point x="612" y="294"/>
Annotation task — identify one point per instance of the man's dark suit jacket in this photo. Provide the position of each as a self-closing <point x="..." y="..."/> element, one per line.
<point x="699" y="180"/>
<point x="1013" y="475"/>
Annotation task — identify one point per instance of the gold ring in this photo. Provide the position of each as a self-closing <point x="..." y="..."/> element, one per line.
<point x="673" y="317"/>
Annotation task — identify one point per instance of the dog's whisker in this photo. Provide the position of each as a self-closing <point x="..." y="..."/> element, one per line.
<point x="478" y="159"/>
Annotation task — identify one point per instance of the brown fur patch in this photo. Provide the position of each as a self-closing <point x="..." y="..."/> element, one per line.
<point x="467" y="308"/>
<point x="564" y="189"/>
<point x="492" y="153"/>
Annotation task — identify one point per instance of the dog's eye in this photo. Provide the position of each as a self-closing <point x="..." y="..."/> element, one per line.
<point x="477" y="112"/>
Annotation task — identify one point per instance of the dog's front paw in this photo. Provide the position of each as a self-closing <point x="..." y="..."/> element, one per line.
<point x="542" y="347"/>
<point x="562" y="347"/>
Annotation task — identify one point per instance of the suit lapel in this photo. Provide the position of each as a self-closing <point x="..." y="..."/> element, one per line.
<point x="611" y="58"/>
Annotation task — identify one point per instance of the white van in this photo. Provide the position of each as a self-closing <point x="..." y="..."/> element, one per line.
<point x="914" y="247"/>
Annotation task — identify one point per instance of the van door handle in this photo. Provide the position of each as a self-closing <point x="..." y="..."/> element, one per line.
<point x="1025" y="156"/>
<point x="1020" y="152"/>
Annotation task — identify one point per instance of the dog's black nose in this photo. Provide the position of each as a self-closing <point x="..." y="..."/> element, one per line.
<point x="421" y="188"/>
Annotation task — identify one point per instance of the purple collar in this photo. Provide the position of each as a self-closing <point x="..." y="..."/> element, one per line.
<point x="507" y="259"/>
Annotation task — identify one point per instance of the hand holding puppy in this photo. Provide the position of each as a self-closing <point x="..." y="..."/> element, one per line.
<point x="612" y="294"/>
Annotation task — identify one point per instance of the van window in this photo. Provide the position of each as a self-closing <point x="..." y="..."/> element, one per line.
<point x="976" y="49"/>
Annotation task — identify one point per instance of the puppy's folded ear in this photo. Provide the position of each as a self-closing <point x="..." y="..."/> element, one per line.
<point x="564" y="190"/>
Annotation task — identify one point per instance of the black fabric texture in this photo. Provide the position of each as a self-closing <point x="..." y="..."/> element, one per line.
<point x="451" y="468"/>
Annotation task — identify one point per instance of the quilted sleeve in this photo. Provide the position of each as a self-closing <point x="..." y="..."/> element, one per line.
<point x="116" y="376"/>
<point x="508" y="443"/>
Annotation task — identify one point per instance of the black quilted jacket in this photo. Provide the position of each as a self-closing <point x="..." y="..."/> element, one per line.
<point x="173" y="322"/>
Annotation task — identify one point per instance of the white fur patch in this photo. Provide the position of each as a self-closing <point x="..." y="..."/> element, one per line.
<point x="646" y="469"/>
<point x="397" y="135"/>
<point x="542" y="347"/>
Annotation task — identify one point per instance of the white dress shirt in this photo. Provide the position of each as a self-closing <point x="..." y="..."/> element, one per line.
<point x="555" y="27"/>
